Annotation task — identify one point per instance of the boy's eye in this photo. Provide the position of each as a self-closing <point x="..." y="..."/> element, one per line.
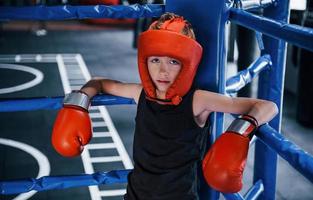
<point x="154" y="60"/>
<point x="174" y="62"/>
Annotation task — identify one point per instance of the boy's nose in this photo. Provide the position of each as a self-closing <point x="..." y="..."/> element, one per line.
<point x="163" y="68"/>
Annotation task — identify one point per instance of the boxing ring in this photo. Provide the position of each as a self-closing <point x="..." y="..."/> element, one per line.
<point x="208" y="19"/>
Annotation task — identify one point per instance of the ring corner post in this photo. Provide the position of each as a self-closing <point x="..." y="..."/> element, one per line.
<point x="271" y="86"/>
<point x="208" y="20"/>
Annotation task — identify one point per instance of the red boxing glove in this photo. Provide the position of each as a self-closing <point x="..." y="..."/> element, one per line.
<point x="224" y="163"/>
<point x="72" y="128"/>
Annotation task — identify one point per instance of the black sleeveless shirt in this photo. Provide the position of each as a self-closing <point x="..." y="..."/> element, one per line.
<point x="168" y="148"/>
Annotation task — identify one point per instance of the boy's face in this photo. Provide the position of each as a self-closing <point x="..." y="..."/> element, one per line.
<point x="163" y="71"/>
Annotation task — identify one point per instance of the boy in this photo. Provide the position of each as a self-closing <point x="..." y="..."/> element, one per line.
<point x="171" y="121"/>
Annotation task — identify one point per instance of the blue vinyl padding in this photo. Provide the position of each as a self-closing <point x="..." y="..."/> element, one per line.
<point x="24" y="104"/>
<point x="300" y="36"/>
<point x="52" y="103"/>
<point x="62" y="182"/>
<point x="67" y="12"/>
<point x="297" y="35"/>
<point x="293" y="154"/>
<point x="99" y="100"/>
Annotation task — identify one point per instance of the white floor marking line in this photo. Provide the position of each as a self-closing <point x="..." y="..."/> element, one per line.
<point x="99" y="124"/>
<point x="77" y="81"/>
<point x="95" y="115"/>
<point x="109" y="193"/>
<point x="28" y="58"/>
<point x="99" y="112"/>
<point x="93" y="190"/>
<point x="75" y="87"/>
<point x="75" y="76"/>
<point x="105" y="159"/>
<point x="101" y="146"/>
<point x="68" y="78"/>
<point x="101" y="134"/>
<point x="42" y="160"/>
<point x="83" y="67"/>
<point x="38" y="58"/>
<point x="116" y="138"/>
<point x="93" y="108"/>
<point x="64" y="77"/>
<point x="86" y="162"/>
<point x="74" y="71"/>
<point x="17" y="58"/>
<point x="72" y="66"/>
<point x="37" y="80"/>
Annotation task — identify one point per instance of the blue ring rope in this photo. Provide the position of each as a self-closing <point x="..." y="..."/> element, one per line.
<point x="52" y="103"/>
<point x="67" y="12"/>
<point x="63" y="182"/>
<point x="300" y="36"/>
<point x="297" y="35"/>
<point x="301" y="160"/>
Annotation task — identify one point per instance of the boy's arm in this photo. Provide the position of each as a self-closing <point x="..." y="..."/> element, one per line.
<point x="224" y="163"/>
<point x="113" y="87"/>
<point x="263" y="111"/>
<point x="72" y="129"/>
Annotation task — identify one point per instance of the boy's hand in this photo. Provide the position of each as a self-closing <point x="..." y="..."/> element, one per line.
<point x="224" y="163"/>
<point x="72" y="128"/>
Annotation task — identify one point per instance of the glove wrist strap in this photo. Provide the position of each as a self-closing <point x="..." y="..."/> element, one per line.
<point x="244" y="126"/>
<point x="77" y="98"/>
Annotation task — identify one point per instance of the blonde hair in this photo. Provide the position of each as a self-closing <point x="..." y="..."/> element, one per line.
<point x="187" y="30"/>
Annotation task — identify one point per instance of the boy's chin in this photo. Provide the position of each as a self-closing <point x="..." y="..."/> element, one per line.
<point x="162" y="90"/>
<point x="161" y="93"/>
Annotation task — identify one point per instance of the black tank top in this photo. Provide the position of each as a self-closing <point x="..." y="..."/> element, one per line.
<point x="168" y="148"/>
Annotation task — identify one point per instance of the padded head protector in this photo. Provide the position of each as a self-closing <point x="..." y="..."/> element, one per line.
<point x="169" y="41"/>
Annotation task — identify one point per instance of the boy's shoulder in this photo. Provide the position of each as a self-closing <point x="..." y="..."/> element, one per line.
<point x="202" y="99"/>
<point x="136" y="90"/>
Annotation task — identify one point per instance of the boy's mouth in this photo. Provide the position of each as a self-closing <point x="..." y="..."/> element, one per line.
<point x="163" y="81"/>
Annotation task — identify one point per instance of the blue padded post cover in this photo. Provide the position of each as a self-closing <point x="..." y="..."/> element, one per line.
<point x="208" y="20"/>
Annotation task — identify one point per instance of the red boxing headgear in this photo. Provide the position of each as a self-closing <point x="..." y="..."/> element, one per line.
<point x="169" y="41"/>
